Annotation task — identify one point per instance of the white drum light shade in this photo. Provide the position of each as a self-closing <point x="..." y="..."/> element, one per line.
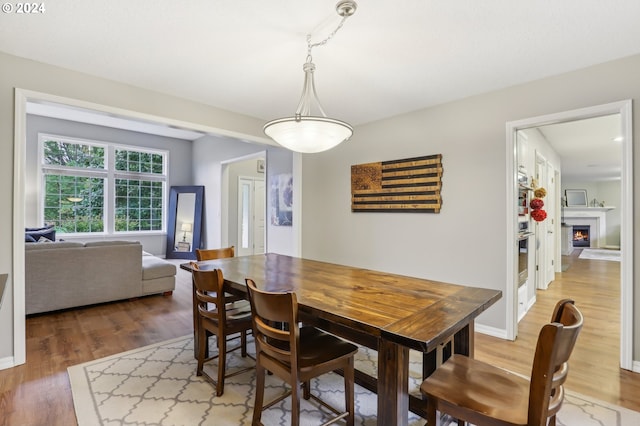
<point x="308" y="134"/>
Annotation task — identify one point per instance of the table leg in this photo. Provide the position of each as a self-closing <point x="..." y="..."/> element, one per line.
<point x="464" y="340"/>
<point x="393" y="384"/>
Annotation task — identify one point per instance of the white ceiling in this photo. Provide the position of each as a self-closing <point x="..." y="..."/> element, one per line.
<point x="390" y="58"/>
<point x="590" y="149"/>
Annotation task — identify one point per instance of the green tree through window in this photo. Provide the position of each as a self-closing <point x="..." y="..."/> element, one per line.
<point x="77" y="178"/>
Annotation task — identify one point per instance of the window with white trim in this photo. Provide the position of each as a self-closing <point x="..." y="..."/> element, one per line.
<point x="100" y="187"/>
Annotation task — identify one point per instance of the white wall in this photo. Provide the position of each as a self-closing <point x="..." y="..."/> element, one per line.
<point x="537" y="143"/>
<point x="609" y="193"/>
<point x="466" y="243"/>
<point x="209" y="152"/>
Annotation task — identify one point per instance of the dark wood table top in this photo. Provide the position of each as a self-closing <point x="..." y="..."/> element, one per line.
<point x="414" y="312"/>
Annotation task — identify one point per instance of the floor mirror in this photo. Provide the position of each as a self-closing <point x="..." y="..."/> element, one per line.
<point x="184" y="224"/>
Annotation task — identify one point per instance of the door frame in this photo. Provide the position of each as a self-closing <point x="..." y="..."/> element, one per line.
<point x="226" y="218"/>
<point x="624" y="108"/>
<point x="252" y="205"/>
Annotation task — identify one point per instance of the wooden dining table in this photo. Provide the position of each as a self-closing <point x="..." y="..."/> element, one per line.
<point x="387" y="312"/>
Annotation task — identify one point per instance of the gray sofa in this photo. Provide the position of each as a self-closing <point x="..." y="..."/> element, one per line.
<point x="62" y="275"/>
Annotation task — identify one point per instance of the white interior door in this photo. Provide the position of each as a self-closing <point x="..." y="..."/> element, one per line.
<point x="545" y="230"/>
<point x="251" y="216"/>
<point x="552" y="228"/>
<point x="540" y="230"/>
<point x="259" y="201"/>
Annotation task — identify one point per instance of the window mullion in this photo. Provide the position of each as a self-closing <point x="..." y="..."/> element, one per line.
<point x="110" y="214"/>
<point x="68" y="171"/>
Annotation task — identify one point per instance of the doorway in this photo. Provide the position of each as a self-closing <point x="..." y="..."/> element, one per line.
<point x="22" y="98"/>
<point x="251" y="216"/>
<point x="622" y="108"/>
<point x="244" y="209"/>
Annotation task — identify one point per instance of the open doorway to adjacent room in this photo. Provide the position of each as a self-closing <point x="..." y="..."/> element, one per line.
<point x="244" y="195"/>
<point x="555" y="127"/>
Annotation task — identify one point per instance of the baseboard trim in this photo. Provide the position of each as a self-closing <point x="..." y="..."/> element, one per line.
<point x="636" y="367"/>
<point x="7" y="362"/>
<point x="500" y="333"/>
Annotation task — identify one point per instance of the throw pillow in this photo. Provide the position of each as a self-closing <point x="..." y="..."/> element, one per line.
<point x="29" y="238"/>
<point x="49" y="232"/>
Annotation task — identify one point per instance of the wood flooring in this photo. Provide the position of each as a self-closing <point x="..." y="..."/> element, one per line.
<point x="38" y="392"/>
<point x="594" y="364"/>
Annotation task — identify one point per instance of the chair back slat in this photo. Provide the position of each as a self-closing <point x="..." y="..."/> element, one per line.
<point x="275" y="323"/>
<point x="212" y="254"/>
<point x="209" y="293"/>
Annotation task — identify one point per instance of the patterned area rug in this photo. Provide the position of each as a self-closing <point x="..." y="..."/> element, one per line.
<point x="157" y="385"/>
<point x="600" y="254"/>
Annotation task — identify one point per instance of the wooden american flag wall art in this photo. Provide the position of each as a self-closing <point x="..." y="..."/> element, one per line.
<point x="408" y="185"/>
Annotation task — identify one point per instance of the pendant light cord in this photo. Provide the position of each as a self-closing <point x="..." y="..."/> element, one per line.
<point x="323" y="42"/>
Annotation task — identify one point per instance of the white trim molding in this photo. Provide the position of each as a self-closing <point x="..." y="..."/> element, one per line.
<point x="624" y="108"/>
<point x="17" y="277"/>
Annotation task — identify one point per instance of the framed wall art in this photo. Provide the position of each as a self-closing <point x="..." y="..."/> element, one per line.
<point x="281" y="191"/>
<point x="407" y="185"/>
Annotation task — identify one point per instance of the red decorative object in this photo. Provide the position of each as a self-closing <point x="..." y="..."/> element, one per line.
<point x="539" y="215"/>
<point x="536" y="204"/>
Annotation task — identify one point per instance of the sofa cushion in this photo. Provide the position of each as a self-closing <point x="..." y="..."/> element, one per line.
<point x="154" y="267"/>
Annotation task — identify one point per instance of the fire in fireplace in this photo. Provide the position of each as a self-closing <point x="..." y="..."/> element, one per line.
<point x="581" y="236"/>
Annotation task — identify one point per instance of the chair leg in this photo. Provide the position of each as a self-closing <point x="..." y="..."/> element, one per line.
<point x="552" y="421"/>
<point x="431" y="412"/>
<point x="349" y="393"/>
<point x="222" y="361"/>
<point x="295" y="403"/>
<point x="203" y="342"/>
<point x="257" y="406"/>
<point x="243" y="343"/>
<point x="306" y="390"/>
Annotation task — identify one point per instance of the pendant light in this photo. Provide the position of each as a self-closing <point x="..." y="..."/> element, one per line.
<point x="305" y="132"/>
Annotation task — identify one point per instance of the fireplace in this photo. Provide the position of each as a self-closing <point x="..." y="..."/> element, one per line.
<point x="581" y="236"/>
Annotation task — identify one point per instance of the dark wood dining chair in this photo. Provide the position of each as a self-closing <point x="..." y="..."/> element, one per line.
<point x="214" y="318"/>
<point x="237" y="301"/>
<point x="211" y="254"/>
<point x="476" y="392"/>
<point x="295" y="354"/>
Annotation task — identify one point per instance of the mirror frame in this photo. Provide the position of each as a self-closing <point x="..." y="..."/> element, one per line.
<point x="578" y="197"/>
<point x="171" y="222"/>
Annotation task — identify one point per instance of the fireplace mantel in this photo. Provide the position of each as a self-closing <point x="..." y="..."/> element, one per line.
<point x="592" y="216"/>
<point x="585" y="211"/>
